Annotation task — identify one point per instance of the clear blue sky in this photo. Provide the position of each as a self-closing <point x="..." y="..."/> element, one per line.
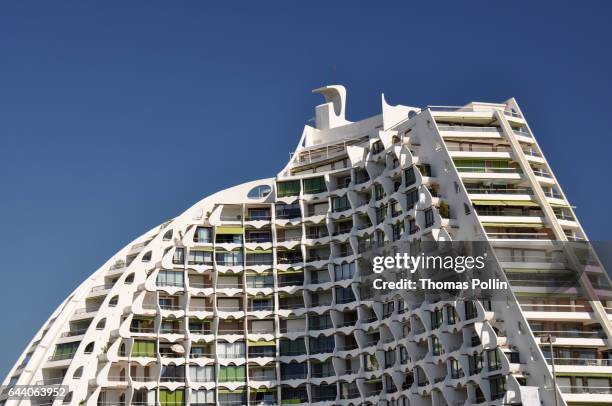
<point x="115" y="115"/>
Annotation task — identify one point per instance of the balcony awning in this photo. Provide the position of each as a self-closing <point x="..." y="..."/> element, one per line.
<point x="249" y="251"/>
<point x="261" y="343"/>
<point x="229" y="230"/>
<point x="202" y="249"/>
<point x="505" y="203"/>
<point x="264" y="273"/>
<point x="561" y="205"/>
<point x="289" y="271"/>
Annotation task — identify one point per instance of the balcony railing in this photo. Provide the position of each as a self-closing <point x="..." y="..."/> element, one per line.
<point x="472" y="148"/>
<point x="59" y="357"/>
<point x="541" y="173"/>
<point x="164" y="306"/>
<point x="231" y="331"/>
<point x="582" y="362"/>
<point x="73" y="333"/>
<point x="261" y="308"/>
<point x="570" y="334"/>
<point x="258" y="239"/>
<point x="254" y="217"/>
<point x="598" y="390"/>
<point x="201" y="285"/>
<point x="142" y="329"/>
<point x="99" y="288"/>
<point x="518" y="236"/>
<point x="480" y="169"/>
<point x="202" y="355"/>
<point x="172" y="378"/>
<point x="522" y="133"/>
<point x="229" y="308"/>
<point x="505" y="191"/>
<point x="555" y="307"/>
<point x="466" y="127"/>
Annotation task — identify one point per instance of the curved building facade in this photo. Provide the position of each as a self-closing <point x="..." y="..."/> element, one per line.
<point x="256" y="294"/>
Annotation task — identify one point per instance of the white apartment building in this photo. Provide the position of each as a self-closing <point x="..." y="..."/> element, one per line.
<point x="254" y="295"/>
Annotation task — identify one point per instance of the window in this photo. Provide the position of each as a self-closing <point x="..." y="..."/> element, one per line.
<point x="229" y="258"/>
<point x="429" y="218"/>
<point x="322" y="344"/>
<point x="344" y="271"/>
<point x="259" y="192"/>
<point x="412" y="197"/>
<point x="388" y="309"/>
<point x="470" y="310"/>
<point x="322" y="369"/>
<point x="377" y="147"/>
<point x="171" y="398"/>
<point x="179" y="256"/>
<point x="344" y="295"/>
<point x="288" y="347"/>
<point x="466" y="208"/>
<point x="379" y="191"/>
<point x="202" y="374"/>
<point x="436" y="318"/>
<point x="288" y="211"/>
<point x="381" y="213"/>
<point x="498" y="387"/>
<point x="200" y="257"/>
<point x="340" y="203"/>
<point x="451" y="315"/>
<point x="321" y="322"/>
<point x="436" y="346"/>
<point x="144" y="349"/>
<point x="412" y="226"/>
<point x="170" y="278"/>
<point x="398" y="230"/>
<point x="409" y="176"/>
<point x="361" y="176"/>
<point x="404" y="357"/>
<point x="475" y="362"/>
<point x="203" y="235"/>
<point x="202" y="397"/>
<point x="514" y="357"/>
<point x="456" y="371"/>
<point x="231" y="350"/>
<point x="396" y="209"/>
<point x="494" y="360"/>
<point x="259" y="280"/>
<point x="232" y="373"/>
<point x="293" y="371"/>
<point x="65" y="351"/>
<point x="290" y="188"/>
<point x="389" y="358"/>
<point x="425" y="169"/>
<point x="314" y="185"/>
